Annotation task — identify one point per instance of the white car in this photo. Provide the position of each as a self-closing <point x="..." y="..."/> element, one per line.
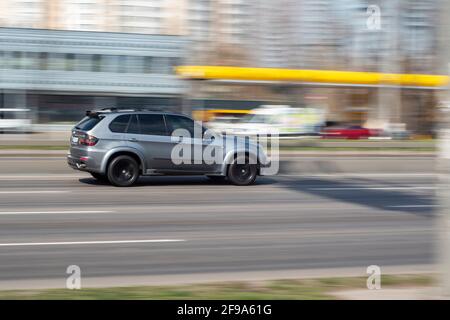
<point x="15" y="119"/>
<point x="283" y="119"/>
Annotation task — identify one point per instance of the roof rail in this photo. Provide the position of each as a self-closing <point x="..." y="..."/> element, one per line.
<point x="115" y="109"/>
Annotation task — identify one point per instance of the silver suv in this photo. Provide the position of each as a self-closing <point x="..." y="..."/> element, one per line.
<point x="120" y="145"/>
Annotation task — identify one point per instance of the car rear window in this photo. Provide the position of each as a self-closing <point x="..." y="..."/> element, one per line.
<point x="120" y="123"/>
<point x="88" y="123"/>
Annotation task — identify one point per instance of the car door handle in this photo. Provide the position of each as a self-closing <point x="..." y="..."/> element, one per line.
<point x="133" y="139"/>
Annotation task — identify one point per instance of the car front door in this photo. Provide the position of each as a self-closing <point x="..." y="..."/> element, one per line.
<point x="194" y="142"/>
<point x="148" y="133"/>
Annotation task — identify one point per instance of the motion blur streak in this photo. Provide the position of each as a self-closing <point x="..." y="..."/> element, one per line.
<point x="311" y="76"/>
<point x="282" y="223"/>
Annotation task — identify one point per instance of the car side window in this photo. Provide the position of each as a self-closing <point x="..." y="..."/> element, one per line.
<point x="180" y="122"/>
<point x="152" y="124"/>
<point x="134" y="127"/>
<point x="120" y="123"/>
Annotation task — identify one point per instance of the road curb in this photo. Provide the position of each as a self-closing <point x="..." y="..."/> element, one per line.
<point x="186" y="279"/>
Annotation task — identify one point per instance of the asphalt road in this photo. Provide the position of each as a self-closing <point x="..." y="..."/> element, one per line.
<point x="188" y="225"/>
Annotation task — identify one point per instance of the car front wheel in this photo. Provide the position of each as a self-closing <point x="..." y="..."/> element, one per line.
<point x="242" y="173"/>
<point x="123" y="171"/>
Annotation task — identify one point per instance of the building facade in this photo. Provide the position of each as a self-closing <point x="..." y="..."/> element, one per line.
<point x="130" y="16"/>
<point x="50" y="70"/>
<point x="297" y="34"/>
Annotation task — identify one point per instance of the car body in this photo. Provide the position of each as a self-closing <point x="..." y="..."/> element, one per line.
<point x="349" y="132"/>
<point x="146" y="138"/>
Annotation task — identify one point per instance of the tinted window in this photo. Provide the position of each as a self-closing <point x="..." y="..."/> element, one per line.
<point x="88" y="123"/>
<point x="152" y="124"/>
<point x="178" y="122"/>
<point x="133" y="127"/>
<point x="120" y="123"/>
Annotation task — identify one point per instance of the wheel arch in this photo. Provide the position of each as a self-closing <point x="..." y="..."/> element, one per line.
<point x="134" y="153"/>
<point x="230" y="156"/>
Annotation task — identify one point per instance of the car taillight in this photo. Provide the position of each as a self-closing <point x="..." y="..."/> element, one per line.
<point x="87" y="140"/>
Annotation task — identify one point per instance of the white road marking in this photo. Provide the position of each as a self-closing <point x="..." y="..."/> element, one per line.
<point x="32" y="191"/>
<point x="52" y="212"/>
<point x="22" y="244"/>
<point x="50" y="177"/>
<point x="414" y="206"/>
<point x="351" y="175"/>
<point x="373" y="188"/>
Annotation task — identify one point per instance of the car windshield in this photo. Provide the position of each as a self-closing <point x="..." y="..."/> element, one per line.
<point x="255" y="118"/>
<point x="225" y="119"/>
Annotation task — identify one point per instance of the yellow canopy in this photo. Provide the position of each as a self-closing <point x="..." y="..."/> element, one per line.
<point x="312" y="76"/>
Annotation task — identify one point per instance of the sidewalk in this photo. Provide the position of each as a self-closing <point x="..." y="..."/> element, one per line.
<point x="32" y="153"/>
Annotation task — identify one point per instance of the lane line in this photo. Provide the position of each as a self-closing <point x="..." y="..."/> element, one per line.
<point x="43" y="177"/>
<point x="414" y="206"/>
<point x="32" y="191"/>
<point x="22" y="244"/>
<point x="334" y="175"/>
<point x="51" y="212"/>
<point x="373" y="188"/>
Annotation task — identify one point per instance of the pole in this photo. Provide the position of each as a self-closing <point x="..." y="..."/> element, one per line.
<point x="389" y="99"/>
<point x="443" y="161"/>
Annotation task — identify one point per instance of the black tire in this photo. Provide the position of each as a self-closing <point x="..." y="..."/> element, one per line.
<point x="123" y="171"/>
<point x="99" y="176"/>
<point x="242" y="174"/>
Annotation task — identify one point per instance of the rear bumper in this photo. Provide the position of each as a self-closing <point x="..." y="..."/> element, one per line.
<point x="83" y="163"/>
<point x="76" y="163"/>
<point x="85" y="158"/>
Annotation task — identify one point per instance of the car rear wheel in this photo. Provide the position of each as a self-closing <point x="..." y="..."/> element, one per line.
<point x="242" y="173"/>
<point x="123" y="171"/>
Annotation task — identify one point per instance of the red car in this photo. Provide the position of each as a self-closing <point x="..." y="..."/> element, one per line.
<point x="351" y="132"/>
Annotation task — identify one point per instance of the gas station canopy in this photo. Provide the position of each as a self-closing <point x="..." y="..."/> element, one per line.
<point x="313" y="77"/>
